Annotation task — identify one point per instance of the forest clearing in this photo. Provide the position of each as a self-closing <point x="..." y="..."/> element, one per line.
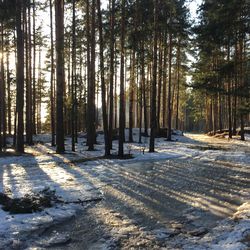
<point x="193" y="193"/>
<point x="125" y="124"/>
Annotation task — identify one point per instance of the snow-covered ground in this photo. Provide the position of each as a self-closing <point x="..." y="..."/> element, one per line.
<point x="41" y="168"/>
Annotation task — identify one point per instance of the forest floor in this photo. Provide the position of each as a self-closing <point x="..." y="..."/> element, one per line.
<point x="193" y="193"/>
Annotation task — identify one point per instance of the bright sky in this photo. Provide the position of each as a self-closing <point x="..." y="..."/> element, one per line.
<point x="193" y="6"/>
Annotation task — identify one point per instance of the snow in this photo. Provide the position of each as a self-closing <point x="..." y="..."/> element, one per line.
<point x="230" y="233"/>
<point x="41" y="168"/>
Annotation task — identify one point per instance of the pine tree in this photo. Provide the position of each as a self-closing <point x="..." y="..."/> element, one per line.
<point x="59" y="20"/>
<point x="20" y="76"/>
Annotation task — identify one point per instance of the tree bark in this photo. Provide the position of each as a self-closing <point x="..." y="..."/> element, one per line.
<point x="122" y="95"/>
<point x="73" y="79"/>
<point x="154" y="83"/>
<point x="20" y="77"/>
<point x="91" y="134"/>
<point x="169" y="87"/>
<point x="178" y="86"/>
<point x="52" y="72"/>
<point x="34" y="72"/>
<point x="103" y="88"/>
<point x="59" y="16"/>
<point x="111" y="76"/>
<point x="229" y="97"/>
<point x="131" y="96"/>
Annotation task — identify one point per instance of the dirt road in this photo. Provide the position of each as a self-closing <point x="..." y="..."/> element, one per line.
<point x="168" y="204"/>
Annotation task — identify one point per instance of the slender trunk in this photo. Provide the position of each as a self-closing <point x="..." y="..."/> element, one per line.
<point x="145" y="101"/>
<point x="30" y="77"/>
<point x="91" y="134"/>
<point x="73" y="77"/>
<point x="131" y="96"/>
<point x="103" y="88"/>
<point x="159" y="87"/>
<point x="111" y="80"/>
<point x="244" y="87"/>
<point x="142" y="86"/>
<point x="154" y="83"/>
<point x="178" y="87"/>
<point x="164" y="90"/>
<point x="214" y="113"/>
<point x="59" y="16"/>
<point x="1" y="89"/>
<point x="242" y="129"/>
<point x="169" y="87"/>
<point x="38" y="93"/>
<point x="229" y="97"/>
<point x="87" y="65"/>
<point x="20" y="77"/>
<point x="122" y="95"/>
<point x="3" y="92"/>
<point x="220" y="111"/>
<point x="67" y="110"/>
<point x="115" y="97"/>
<point x="28" y="124"/>
<point x="52" y="72"/>
<point x="235" y="86"/>
<point x="34" y="72"/>
<point x="9" y="94"/>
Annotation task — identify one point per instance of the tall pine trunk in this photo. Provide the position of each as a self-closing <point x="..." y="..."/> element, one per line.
<point x="34" y="71"/>
<point x="20" y="77"/>
<point x="122" y="94"/>
<point x="29" y="139"/>
<point x="91" y="134"/>
<point x="73" y="79"/>
<point x="111" y="74"/>
<point x="103" y="88"/>
<point x="59" y="16"/>
<point x="154" y="83"/>
<point x="52" y="72"/>
<point x="178" y="86"/>
<point x="131" y="96"/>
<point x="169" y="87"/>
<point x="229" y="96"/>
<point x="9" y="94"/>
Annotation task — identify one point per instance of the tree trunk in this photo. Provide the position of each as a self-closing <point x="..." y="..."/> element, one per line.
<point x="9" y="94"/>
<point x="142" y="86"/>
<point x="164" y="90"/>
<point x="103" y="88"/>
<point x="169" y="87"/>
<point x="91" y="134"/>
<point x="73" y="79"/>
<point x="20" y="77"/>
<point x="34" y="72"/>
<point x="1" y="90"/>
<point x="28" y="124"/>
<point x="145" y="100"/>
<point x="52" y="71"/>
<point x="115" y="97"/>
<point x="111" y="80"/>
<point x="131" y="96"/>
<point x="229" y="97"/>
<point x="39" y="93"/>
<point x="59" y="16"/>
<point x="122" y="95"/>
<point x="154" y="83"/>
<point x="159" y="87"/>
<point x="178" y="87"/>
